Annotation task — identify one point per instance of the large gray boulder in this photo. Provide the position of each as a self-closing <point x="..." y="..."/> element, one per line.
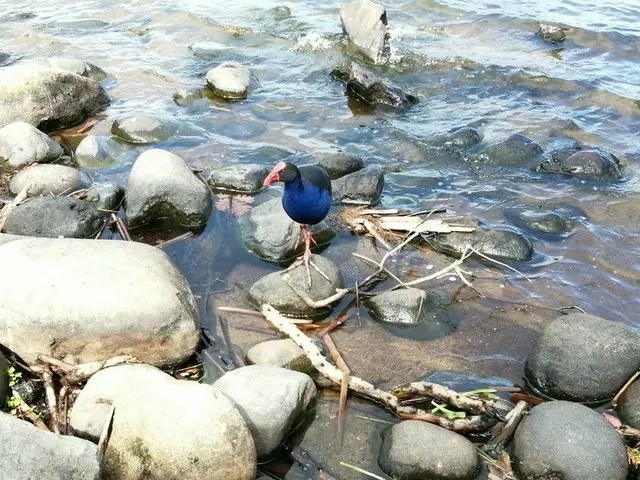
<point x="55" y="217"/>
<point x="46" y="97"/>
<point x="415" y="450"/>
<point x="365" y="24"/>
<point x="271" y="399"/>
<point x="583" y="358"/>
<point x="362" y="187"/>
<point x="568" y="441"/>
<point x="230" y="80"/>
<point x="27" y="452"/>
<point x="162" y="187"/>
<point x="94" y="299"/>
<point x="48" y="180"/>
<point x="338" y="164"/>
<point x="163" y="427"/>
<point x="23" y="144"/>
<point x="73" y="65"/>
<point x="515" y="150"/>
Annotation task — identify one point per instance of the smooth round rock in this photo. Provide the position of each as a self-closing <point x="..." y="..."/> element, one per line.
<point x="568" y="441"/>
<point x="545" y="222"/>
<point x="415" y="450"/>
<point x="48" y="180"/>
<point x="338" y="164"/>
<point x="592" y="164"/>
<point x="280" y="353"/>
<point x="230" y="80"/>
<point x="362" y="187"/>
<point x="245" y="178"/>
<point x="105" y="196"/>
<point x="73" y="65"/>
<point x="582" y="358"/>
<point x="399" y="306"/>
<point x="23" y="144"/>
<point x="95" y="152"/>
<point x="464" y="137"/>
<point x="187" y="97"/>
<point x="515" y="150"/>
<point x="142" y="129"/>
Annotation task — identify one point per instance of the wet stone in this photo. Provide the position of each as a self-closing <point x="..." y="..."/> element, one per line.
<point x="515" y="150"/>
<point x="23" y="144"/>
<point x="584" y="164"/>
<point x="628" y="407"/>
<point x="281" y="11"/>
<point x="95" y="152"/>
<point x="187" y="97"/>
<point x="73" y="65"/>
<point x="279" y="290"/>
<point x="143" y="129"/>
<point x="413" y="449"/>
<point x="399" y="306"/>
<point x="230" y="80"/>
<point x="552" y="33"/>
<point x="365" y="24"/>
<point x="568" y="441"/>
<point x="582" y="358"/>
<point x="461" y="138"/>
<point x="551" y="222"/>
<point x="362" y="187"/>
<point x="54" y="217"/>
<point x="280" y="353"/>
<point x="338" y="164"/>
<point x="246" y="178"/>
<point x="105" y="196"/>
<point x="48" y="180"/>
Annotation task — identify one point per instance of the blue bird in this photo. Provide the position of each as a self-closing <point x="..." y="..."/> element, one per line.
<point x="306" y="200"/>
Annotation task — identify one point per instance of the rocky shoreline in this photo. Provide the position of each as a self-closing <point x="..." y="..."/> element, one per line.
<point x="72" y="302"/>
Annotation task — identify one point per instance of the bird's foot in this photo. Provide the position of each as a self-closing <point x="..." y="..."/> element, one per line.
<point x="308" y="264"/>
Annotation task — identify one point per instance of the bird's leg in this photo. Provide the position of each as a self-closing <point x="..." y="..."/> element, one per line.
<point x="305" y="259"/>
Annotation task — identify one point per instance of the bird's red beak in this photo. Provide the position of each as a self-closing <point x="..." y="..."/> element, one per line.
<point x="274" y="176"/>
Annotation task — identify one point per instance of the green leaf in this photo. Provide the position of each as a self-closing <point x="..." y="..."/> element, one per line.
<point x="449" y="414"/>
<point x="489" y="393"/>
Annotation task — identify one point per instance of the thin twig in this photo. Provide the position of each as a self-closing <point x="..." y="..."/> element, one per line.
<point x="470" y="424"/>
<point x="380" y="267"/>
<point x="624" y="388"/>
<point x="47" y="378"/>
<point x="122" y="228"/>
<point x="171" y="241"/>
<point x="344" y="385"/>
<point x="253" y="313"/>
<point x="374" y="232"/>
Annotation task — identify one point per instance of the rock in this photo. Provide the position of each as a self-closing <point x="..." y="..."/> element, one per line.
<point x="363" y="187"/>
<point x="413" y="449"/>
<point x="142" y="129"/>
<point x="5" y="390"/>
<point x="273" y="290"/>
<point x="59" y="298"/>
<point x="23" y="144"/>
<point x="365" y="23"/>
<point x="503" y="245"/>
<point x="48" y="180"/>
<point x="628" y="407"/>
<point x="230" y="80"/>
<point x="187" y="97"/>
<point x="338" y="164"/>
<point x="47" y="98"/>
<point x="73" y="65"/>
<point x="280" y="353"/>
<point x="163" y="427"/>
<point x="364" y="86"/>
<point x="95" y="152"/>
<point x="281" y="11"/>
<point x="464" y="137"/>
<point x="105" y="196"/>
<point x="552" y="33"/>
<point x="27" y="452"/>
<point x="31" y="391"/>
<point x="584" y="164"/>
<point x="162" y="186"/>
<point x="582" y="358"/>
<point x="545" y="222"/>
<point x="239" y="178"/>
<point x="272" y="401"/>
<point x="269" y="232"/>
<point x="515" y="150"/>
<point x="569" y="441"/>
<point x="55" y="217"/>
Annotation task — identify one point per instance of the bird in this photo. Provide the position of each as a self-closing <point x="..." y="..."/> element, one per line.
<point x="306" y="200"/>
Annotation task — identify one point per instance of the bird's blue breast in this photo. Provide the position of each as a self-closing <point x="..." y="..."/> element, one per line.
<point x="305" y="202"/>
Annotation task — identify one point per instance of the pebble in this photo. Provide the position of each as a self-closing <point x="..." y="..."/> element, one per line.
<point x="280" y="353"/>
<point x="95" y="152"/>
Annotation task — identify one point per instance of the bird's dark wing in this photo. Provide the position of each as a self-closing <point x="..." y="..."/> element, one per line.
<point x="316" y="175"/>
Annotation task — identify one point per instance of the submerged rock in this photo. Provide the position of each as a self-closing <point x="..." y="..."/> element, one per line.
<point x="274" y="289"/>
<point x="142" y="129"/>
<point x="628" y="407"/>
<point x="48" y="180"/>
<point x="551" y="222"/>
<point x="362" y="187"/>
<point x="230" y="80"/>
<point x="569" y="441"/>
<point x="272" y="401"/>
<point x="28" y="452"/>
<point x="187" y="97"/>
<point x="338" y="164"/>
<point x="365" y="24"/>
<point x="155" y="434"/>
<point x="280" y="353"/>
<point x="55" y="217"/>
<point x="23" y="144"/>
<point x="47" y="98"/>
<point x="245" y="178"/>
<point x="461" y="138"/>
<point x="515" y="150"/>
<point x="105" y="196"/>
<point x="413" y="449"/>
<point x="552" y="33"/>
<point x="83" y="298"/>
<point x="163" y="188"/>
<point x="95" y="152"/>
<point x="399" y="306"/>
<point x="269" y="232"/>
<point x="73" y="65"/>
<point x="583" y="358"/>
<point x="583" y="164"/>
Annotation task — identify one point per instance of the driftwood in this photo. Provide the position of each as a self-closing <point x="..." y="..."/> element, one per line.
<point x="495" y="446"/>
<point x="419" y="225"/>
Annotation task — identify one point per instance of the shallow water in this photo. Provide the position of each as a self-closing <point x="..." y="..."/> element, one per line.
<point x="471" y="62"/>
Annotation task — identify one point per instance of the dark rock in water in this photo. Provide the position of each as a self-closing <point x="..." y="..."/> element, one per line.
<point x="162" y="188"/>
<point x="413" y="449"/>
<point x="48" y="180"/>
<point x="4" y="57"/>
<point x="30" y="390"/>
<point x="545" y="222"/>
<point x="95" y="152"/>
<point x="23" y="144"/>
<point x="464" y="137"/>
<point x="362" y="187"/>
<point x="584" y="164"/>
<point x="338" y="164"/>
<point x="245" y="178"/>
<point x="47" y="98"/>
<point x="185" y="98"/>
<point x="5" y="391"/>
<point x="365" y="24"/>
<point x="55" y="217"/>
<point x="582" y="358"/>
<point x="281" y="11"/>
<point x="268" y="232"/>
<point x="230" y="80"/>
<point x="142" y="129"/>
<point x="568" y="441"/>
<point x="504" y="245"/>
<point x="551" y="33"/>
<point x="628" y="407"/>
<point x="363" y="85"/>
<point x="274" y="290"/>
<point x="105" y="196"/>
<point x="515" y="150"/>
